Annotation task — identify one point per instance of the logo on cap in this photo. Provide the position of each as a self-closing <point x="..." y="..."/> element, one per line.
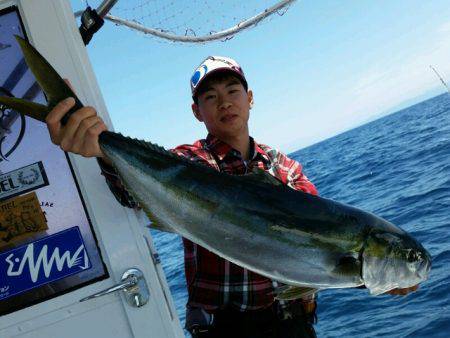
<point x="213" y="64"/>
<point x="198" y="75"/>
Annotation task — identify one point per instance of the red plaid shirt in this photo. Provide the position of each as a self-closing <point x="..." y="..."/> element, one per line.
<point x="212" y="281"/>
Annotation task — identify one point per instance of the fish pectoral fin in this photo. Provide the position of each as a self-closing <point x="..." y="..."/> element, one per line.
<point x="347" y="265"/>
<point x="262" y="176"/>
<point x="289" y="292"/>
<point x="34" y="110"/>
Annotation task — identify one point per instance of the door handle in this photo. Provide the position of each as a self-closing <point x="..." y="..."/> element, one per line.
<point x="133" y="286"/>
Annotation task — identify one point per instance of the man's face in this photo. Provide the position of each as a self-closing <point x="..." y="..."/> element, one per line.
<point x="224" y="108"/>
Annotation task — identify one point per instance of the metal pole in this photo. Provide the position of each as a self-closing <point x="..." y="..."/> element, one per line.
<point x="101" y="10"/>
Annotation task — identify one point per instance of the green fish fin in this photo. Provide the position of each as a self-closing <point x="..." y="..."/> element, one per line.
<point x="347" y="265"/>
<point x="262" y="176"/>
<point x="49" y="80"/>
<point x="34" y="110"/>
<point x="289" y="292"/>
<point x="154" y="224"/>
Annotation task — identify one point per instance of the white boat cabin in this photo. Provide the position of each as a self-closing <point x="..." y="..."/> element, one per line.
<point x="73" y="262"/>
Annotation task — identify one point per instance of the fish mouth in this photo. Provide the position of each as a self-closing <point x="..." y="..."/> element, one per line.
<point x="384" y="274"/>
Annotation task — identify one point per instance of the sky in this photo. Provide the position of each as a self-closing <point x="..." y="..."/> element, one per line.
<point x="322" y="68"/>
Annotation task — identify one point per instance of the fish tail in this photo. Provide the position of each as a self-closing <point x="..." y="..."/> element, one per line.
<point x="31" y="109"/>
<point x="53" y="85"/>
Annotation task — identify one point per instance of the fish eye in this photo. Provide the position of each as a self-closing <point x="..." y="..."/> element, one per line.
<point x="412" y="256"/>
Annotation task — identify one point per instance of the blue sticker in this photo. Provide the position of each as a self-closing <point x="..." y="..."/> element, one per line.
<point x="41" y="262"/>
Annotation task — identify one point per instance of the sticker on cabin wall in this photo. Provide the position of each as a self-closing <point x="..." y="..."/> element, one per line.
<point x="25" y="179"/>
<point x="20" y="217"/>
<point x="41" y="262"/>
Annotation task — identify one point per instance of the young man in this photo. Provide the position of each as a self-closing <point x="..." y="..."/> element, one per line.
<point x="237" y="302"/>
<point x="225" y="300"/>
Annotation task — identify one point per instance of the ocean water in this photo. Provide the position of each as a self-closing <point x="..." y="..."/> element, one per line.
<point x="397" y="167"/>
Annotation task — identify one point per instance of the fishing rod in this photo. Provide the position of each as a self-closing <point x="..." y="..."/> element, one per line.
<point x="440" y="78"/>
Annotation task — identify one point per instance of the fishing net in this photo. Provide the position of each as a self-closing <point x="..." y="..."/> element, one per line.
<point x="195" y="21"/>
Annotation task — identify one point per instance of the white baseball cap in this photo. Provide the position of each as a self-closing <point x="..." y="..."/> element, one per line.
<point x="214" y="64"/>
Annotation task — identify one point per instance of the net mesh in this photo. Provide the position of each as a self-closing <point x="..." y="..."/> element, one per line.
<point x="190" y="18"/>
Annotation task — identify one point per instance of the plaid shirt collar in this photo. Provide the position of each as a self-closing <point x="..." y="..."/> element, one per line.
<point x="222" y="149"/>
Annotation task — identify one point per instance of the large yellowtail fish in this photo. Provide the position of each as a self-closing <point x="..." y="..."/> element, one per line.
<point x="304" y="241"/>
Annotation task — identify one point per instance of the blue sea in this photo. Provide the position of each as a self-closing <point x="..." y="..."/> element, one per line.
<point x="397" y="167"/>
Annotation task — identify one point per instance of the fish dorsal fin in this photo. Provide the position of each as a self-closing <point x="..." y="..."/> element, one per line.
<point x="110" y="136"/>
<point x="289" y="292"/>
<point x="262" y="176"/>
<point x="155" y="147"/>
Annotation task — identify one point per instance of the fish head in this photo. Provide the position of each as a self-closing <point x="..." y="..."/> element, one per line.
<point x="393" y="259"/>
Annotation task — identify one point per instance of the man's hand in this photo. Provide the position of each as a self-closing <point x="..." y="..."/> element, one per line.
<point x="80" y="134"/>
<point x="402" y="292"/>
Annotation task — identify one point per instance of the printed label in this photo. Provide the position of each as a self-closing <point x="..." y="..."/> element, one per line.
<point x="41" y="262"/>
<point x="20" y="217"/>
<point x="22" y="180"/>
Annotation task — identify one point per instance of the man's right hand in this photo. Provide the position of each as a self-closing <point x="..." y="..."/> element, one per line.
<point x="80" y="134"/>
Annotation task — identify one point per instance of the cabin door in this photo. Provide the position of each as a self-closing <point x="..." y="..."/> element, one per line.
<point x="73" y="262"/>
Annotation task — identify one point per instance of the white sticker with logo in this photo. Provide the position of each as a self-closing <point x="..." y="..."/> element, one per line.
<point x="22" y="180"/>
